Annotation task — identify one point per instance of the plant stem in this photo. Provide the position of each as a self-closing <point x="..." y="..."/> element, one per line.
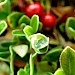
<point x="11" y="61"/>
<point x="34" y="55"/>
<point x="48" y="6"/>
<point x="3" y="59"/>
<point x="31" y="65"/>
<point x="29" y="1"/>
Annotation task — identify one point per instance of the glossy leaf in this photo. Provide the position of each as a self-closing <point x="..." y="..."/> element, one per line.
<point x="18" y="32"/>
<point x="13" y="19"/>
<point x="2" y="2"/>
<point x="24" y="19"/>
<point x="39" y="42"/>
<point x="59" y="72"/>
<point x="34" y="23"/>
<point x="11" y="61"/>
<point x="70" y="27"/>
<point x="28" y="30"/>
<point x="21" y="50"/>
<point x="67" y="61"/>
<point x="3" y="26"/>
<point x="53" y="55"/>
<point x="31" y="65"/>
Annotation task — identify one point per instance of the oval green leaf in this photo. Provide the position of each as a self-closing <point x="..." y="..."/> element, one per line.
<point x="28" y="30"/>
<point x="3" y="15"/>
<point x="46" y="73"/>
<point x="67" y="61"/>
<point x="13" y="19"/>
<point x="4" y="54"/>
<point x="40" y="26"/>
<point x="21" y="72"/>
<point x="45" y="66"/>
<point x="7" y="44"/>
<point x="53" y="55"/>
<point x="18" y="32"/>
<point x="70" y="27"/>
<point x="3" y="26"/>
<point x="2" y="2"/>
<point x="34" y="23"/>
<point x="2" y="49"/>
<point x="59" y="72"/>
<point x="23" y="25"/>
<point x="24" y="19"/>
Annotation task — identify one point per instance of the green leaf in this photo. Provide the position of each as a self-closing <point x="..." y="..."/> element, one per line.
<point x="4" y="54"/>
<point x="53" y="55"/>
<point x="4" y="67"/>
<point x="42" y="51"/>
<point x="45" y="66"/>
<point x="7" y="7"/>
<point x="31" y="65"/>
<point x="67" y="61"/>
<point x="24" y="59"/>
<point x="24" y="19"/>
<point x="40" y="26"/>
<point x="23" y="25"/>
<point x="70" y="27"/>
<point x="21" y="50"/>
<point x="18" y="32"/>
<point x="2" y="49"/>
<point x="21" y="72"/>
<point x="28" y="31"/>
<point x="62" y="27"/>
<point x="11" y="61"/>
<point x="39" y="42"/>
<point x="4" y="59"/>
<point x="3" y="26"/>
<point x="3" y="15"/>
<point x="34" y="23"/>
<point x="59" y="72"/>
<point x="13" y="19"/>
<point x="2" y="2"/>
<point x="27" y="69"/>
<point x="8" y="43"/>
<point x="46" y="73"/>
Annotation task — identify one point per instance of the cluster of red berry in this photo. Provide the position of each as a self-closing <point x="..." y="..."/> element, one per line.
<point x="48" y="19"/>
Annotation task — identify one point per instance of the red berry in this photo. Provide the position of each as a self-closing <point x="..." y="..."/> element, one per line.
<point x="48" y="20"/>
<point x="21" y="4"/>
<point x="35" y="8"/>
